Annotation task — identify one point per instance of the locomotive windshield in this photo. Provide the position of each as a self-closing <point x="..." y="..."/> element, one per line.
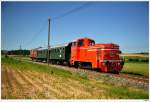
<point x="91" y="42"/>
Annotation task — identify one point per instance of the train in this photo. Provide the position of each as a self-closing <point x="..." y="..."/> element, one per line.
<point x="83" y="53"/>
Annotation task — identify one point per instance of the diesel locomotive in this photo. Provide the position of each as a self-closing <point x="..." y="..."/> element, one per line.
<point x="83" y="53"/>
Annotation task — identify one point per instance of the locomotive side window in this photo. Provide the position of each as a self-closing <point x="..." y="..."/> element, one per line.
<point x="91" y="42"/>
<point x="80" y="43"/>
<point x="74" y="44"/>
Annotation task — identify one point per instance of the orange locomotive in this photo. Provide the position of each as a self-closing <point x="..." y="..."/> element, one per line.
<point x="83" y="53"/>
<point x="104" y="57"/>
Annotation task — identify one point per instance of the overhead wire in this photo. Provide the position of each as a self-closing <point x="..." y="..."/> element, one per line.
<point x="35" y="35"/>
<point x="72" y="11"/>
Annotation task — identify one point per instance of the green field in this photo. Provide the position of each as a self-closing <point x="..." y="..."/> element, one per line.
<point x="137" y="64"/>
<point x="21" y="79"/>
<point x="135" y="57"/>
<point x="137" y="68"/>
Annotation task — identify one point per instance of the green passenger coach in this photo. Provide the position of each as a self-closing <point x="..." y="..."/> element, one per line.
<point x="42" y="54"/>
<point x="59" y="54"/>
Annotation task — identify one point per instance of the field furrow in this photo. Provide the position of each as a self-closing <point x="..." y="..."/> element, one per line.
<point x="47" y="91"/>
<point x="9" y="85"/>
<point x="14" y="86"/>
<point x="54" y="86"/>
<point x="30" y="89"/>
<point x="4" y="81"/>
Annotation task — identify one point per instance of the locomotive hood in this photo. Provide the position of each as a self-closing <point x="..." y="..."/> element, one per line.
<point x="107" y="46"/>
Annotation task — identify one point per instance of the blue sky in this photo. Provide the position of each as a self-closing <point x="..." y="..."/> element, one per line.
<point x="123" y="23"/>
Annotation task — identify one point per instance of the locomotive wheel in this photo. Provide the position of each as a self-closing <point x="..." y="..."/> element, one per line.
<point x="76" y="65"/>
<point x="98" y="70"/>
<point x="116" y="72"/>
<point x="69" y="65"/>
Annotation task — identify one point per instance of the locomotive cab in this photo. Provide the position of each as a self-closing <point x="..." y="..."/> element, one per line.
<point x="78" y="50"/>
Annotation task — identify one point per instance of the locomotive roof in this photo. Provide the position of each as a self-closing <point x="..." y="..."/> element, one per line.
<point x="59" y="45"/>
<point x="107" y="45"/>
<point x="81" y="38"/>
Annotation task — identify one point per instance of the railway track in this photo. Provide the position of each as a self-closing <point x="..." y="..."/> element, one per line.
<point x="114" y="79"/>
<point x="133" y="77"/>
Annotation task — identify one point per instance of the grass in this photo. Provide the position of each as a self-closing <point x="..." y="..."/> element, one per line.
<point x="23" y="65"/>
<point x="137" y="68"/>
<point x="137" y="64"/>
<point x="121" y="92"/>
<point x="94" y="88"/>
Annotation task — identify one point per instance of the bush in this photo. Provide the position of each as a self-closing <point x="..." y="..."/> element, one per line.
<point x="137" y="60"/>
<point x="144" y="60"/>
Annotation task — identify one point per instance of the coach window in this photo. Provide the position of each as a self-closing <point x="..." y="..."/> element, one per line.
<point x="60" y="50"/>
<point x="80" y="43"/>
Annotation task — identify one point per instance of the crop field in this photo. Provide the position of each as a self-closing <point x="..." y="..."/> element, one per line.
<point x="27" y="80"/>
<point x="135" y="57"/>
<point x="137" y="64"/>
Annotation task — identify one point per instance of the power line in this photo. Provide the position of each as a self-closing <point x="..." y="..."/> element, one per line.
<point x="73" y="10"/>
<point x="35" y="35"/>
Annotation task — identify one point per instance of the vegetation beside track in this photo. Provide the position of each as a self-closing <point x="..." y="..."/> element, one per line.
<point x="21" y="79"/>
<point x="136" y="68"/>
<point x="130" y="67"/>
<point x="137" y="64"/>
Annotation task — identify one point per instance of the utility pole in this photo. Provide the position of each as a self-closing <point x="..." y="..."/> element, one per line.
<point x="48" y="54"/>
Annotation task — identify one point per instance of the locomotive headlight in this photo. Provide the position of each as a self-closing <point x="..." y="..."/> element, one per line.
<point x="105" y="61"/>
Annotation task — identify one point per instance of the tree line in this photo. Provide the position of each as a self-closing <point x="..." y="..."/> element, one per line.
<point x="15" y="52"/>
